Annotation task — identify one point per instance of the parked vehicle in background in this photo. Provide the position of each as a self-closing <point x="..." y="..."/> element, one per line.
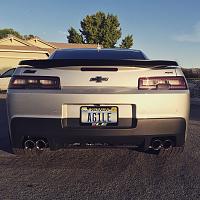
<point x="98" y="98"/>
<point x="5" y="79"/>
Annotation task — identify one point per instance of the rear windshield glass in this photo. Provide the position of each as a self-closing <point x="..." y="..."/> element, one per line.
<point x="99" y="54"/>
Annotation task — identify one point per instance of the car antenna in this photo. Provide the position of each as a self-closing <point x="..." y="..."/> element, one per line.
<point x="98" y="47"/>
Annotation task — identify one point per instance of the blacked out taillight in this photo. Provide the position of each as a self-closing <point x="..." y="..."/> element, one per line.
<point x="162" y="83"/>
<point x="34" y="82"/>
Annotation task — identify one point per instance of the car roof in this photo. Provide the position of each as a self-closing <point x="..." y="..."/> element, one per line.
<point x="97" y="57"/>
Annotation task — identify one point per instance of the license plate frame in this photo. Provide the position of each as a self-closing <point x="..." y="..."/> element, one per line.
<point x="99" y="109"/>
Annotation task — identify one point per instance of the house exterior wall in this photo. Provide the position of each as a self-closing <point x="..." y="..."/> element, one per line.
<point x="11" y="59"/>
<point x="12" y="42"/>
<point x="39" y="44"/>
<point x="13" y="50"/>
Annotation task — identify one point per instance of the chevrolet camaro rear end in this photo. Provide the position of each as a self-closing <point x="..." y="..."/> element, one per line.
<point x="91" y="97"/>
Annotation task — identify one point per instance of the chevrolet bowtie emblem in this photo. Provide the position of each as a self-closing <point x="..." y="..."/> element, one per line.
<point x="99" y="79"/>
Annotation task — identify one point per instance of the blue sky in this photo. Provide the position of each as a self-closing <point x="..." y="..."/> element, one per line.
<point x="163" y="29"/>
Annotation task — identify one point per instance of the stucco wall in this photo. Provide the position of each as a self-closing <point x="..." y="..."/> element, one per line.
<point x="39" y="44"/>
<point x="12" y="42"/>
<point x="10" y="59"/>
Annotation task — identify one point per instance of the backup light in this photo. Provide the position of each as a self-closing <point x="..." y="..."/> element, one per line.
<point x="34" y="82"/>
<point x="46" y="82"/>
<point x="162" y="83"/>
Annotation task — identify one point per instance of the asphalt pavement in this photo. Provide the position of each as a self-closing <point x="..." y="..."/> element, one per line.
<point x="100" y="173"/>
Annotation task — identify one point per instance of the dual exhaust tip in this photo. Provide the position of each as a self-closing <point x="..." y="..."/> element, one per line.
<point x="39" y="144"/>
<point x="157" y="144"/>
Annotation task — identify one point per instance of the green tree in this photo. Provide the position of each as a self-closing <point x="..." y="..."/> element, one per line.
<point x="74" y="36"/>
<point x="99" y="28"/>
<point x="127" y="42"/>
<point x="6" y="31"/>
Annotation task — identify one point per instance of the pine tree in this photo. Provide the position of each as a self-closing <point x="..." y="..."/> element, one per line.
<point x="127" y="42"/>
<point x="100" y="28"/>
<point x="74" y="36"/>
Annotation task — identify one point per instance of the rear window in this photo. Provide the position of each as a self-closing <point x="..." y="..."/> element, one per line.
<point x="94" y="54"/>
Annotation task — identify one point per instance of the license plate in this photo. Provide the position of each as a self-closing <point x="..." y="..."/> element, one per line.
<point x="99" y="116"/>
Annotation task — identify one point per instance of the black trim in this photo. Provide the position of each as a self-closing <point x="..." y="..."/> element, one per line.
<point x="124" y="123"/>
<point x="52" y="63"/>
<point x="59" y="136"/>
<point x="95" y="69"/>
<point x="28" y="71"/>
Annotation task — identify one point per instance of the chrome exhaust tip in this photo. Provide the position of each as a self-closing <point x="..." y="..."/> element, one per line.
<point x="89" y="144"/>
<point x="167" y="144"/>
<point x="156" y="144"/>
<point x="41" y="145"/>
<point x="29" y="144"/>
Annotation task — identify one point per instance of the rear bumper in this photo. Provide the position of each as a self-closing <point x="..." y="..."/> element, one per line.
<point x="140" y="133"/>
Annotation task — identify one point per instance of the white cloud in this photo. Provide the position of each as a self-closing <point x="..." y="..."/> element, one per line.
<point x="192" y="36"/>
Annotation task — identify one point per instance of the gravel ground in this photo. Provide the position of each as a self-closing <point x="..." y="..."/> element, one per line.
<point x="100" y="173"/>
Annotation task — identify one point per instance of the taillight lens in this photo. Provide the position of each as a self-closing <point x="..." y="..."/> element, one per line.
<point x="162" y="83"/>
<point x="34" y="82"/>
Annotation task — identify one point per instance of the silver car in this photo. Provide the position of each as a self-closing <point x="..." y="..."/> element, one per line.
<point x="98" y="98"/>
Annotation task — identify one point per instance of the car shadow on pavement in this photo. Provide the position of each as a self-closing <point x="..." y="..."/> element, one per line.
<point x="4" y="133"/>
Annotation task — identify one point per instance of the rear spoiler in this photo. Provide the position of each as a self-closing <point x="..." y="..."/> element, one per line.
<point x="52" y="63"/>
